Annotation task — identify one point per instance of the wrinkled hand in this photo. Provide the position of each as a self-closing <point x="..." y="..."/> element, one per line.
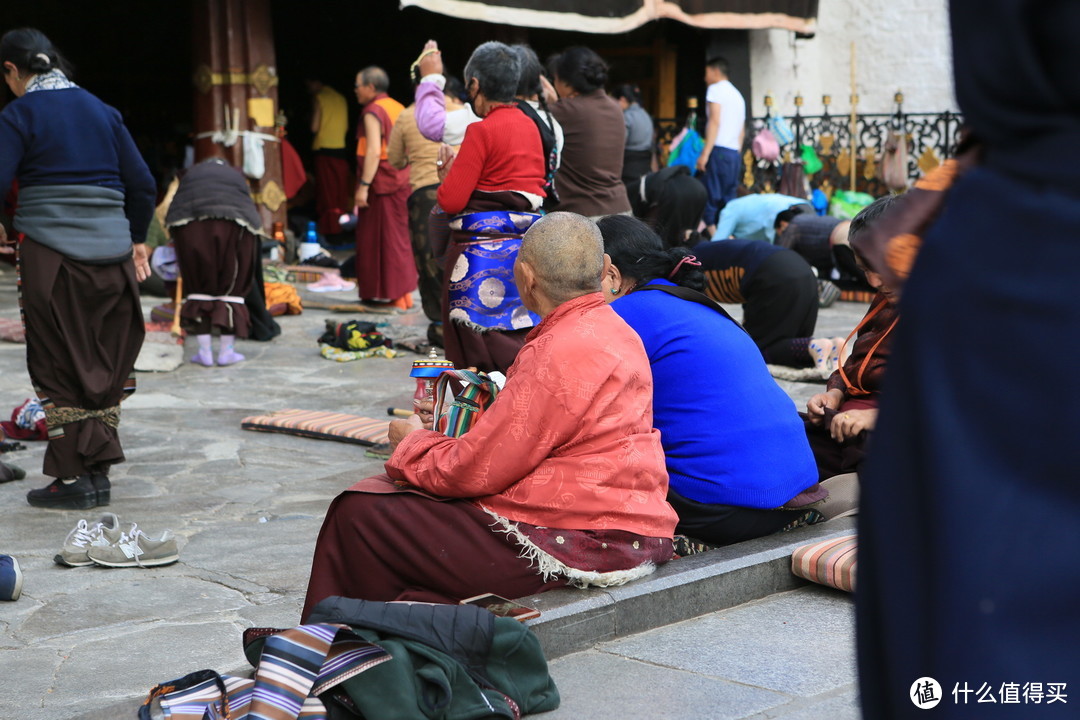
<point x="400" y="428"/>
<point x="141" y="256"/>
<point x="432" y="63"/>
<point x="362" y="196"/>
<point x="425" y="410"/>
<point x="815" y="407"/>
<point x="848" y="424"/>
<point x="445" y="160"/>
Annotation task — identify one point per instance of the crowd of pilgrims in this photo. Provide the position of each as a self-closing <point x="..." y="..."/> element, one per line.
<point x="548" y="248"/>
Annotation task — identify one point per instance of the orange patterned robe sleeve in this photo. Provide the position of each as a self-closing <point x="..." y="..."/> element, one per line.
<point x="569" y="442"/>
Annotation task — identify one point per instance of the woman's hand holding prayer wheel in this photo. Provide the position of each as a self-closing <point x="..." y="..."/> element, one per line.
<point x="400" y="428"/>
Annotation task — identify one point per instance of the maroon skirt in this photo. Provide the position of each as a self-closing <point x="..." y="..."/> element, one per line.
<point x="84" y="330"/>
<point x="217" y="258"/>
<point x="402" y="546"/>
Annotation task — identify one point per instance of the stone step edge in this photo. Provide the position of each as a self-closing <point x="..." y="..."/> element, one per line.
<point x="572" y="620"/>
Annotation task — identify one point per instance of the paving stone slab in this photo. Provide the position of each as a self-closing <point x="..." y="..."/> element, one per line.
<point x="86" y="681"/>
<point x="27" y="685"/>
<point x="597" y="686"/>
<point x="841" y="704"/>
<point x="126" y="596"/>
<point x="765" y="644"/>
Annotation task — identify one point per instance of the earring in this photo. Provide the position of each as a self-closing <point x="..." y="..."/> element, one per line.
<point x="614" y="291"/>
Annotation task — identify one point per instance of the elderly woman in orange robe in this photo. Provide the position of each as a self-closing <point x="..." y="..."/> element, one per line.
<point x="561" y="480"/>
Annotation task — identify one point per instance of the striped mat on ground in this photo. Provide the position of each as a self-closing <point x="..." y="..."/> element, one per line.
<point x="321" y="425"/>
<point x="12" y="330"/>
<point x="829" y="562"/>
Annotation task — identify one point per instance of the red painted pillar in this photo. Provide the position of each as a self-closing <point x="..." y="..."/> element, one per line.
<point x="236" y="90"/>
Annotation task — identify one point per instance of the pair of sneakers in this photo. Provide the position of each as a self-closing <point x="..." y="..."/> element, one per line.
<point x="110" y="544"/>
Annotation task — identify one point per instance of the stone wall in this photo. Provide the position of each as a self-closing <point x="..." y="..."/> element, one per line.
<point x="900" y="45"/>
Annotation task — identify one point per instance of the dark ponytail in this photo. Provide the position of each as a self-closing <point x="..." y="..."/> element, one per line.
<point x="580" y="68"/>
<point x="639" y="253"/>
<point x="31" y="52"/>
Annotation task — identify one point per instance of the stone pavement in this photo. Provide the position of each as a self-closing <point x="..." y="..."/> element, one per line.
<point x="789" y="655"/>
<point x="247" y="507"/>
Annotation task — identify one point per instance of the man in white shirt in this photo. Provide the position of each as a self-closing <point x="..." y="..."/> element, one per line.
<point x="720" y="161"/>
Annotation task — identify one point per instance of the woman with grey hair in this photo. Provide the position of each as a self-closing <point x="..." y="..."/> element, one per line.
<point x="490" y="193"/>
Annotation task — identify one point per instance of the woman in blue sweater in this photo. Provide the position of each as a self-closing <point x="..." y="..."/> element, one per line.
<point x="84" y="205"/>
<point x="739" y="463"/>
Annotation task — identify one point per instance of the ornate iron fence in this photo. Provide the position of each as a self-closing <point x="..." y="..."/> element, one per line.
<point x="931" y="138"/>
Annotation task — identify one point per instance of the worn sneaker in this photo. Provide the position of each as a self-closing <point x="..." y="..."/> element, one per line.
<point x="136" y="549"/>
<point x="76" y="495"/>
<point x="84" y="536"/>
<point x="10" y="578"/>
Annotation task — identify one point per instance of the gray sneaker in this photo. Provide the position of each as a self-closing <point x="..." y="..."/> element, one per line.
<point x="136" y="549"/>
<point x="84" y="536"/>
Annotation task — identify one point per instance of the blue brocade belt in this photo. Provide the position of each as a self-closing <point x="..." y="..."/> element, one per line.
<point x="483" y="295"/>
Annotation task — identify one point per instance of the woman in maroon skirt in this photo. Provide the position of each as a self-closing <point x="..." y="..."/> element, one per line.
<point x="215" y="227"/>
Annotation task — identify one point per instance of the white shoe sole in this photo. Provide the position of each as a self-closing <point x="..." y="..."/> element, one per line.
<point x="59" y="560"/>
<point x="156" y="562"/>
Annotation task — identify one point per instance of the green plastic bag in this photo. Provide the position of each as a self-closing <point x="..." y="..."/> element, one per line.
<point x="811" y="162"/>
<point x="846" y="204"/>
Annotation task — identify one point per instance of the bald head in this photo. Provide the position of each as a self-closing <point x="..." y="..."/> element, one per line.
<point x="566" y="252"/>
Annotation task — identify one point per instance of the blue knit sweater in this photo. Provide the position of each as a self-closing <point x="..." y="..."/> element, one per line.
<point x="69" y="137"/>
<point x="730" y="434"/>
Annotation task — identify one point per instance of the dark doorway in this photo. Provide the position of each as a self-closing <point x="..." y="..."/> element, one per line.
<point x="134" y="55"/>
<point x="137" y="56"/>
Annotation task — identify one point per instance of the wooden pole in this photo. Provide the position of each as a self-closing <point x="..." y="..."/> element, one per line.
<point x="852" y="129"/>
<point x="178" y="301"/>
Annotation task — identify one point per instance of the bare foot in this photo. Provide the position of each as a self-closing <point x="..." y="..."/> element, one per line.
<point x="842" y="350"/>
<point x="823" y="350"/>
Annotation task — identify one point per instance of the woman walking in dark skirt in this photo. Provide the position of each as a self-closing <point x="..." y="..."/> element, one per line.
<point x="85" y="201"/>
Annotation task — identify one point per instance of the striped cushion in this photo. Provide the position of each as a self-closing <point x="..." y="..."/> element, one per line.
<point x="305" y="273"/>
<point x="829" y="562"/>
<point x="12" y="330"/>
<point x="321" y="426"/>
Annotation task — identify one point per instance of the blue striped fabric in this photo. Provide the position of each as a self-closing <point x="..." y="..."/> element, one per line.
<point x="295" y="666"/>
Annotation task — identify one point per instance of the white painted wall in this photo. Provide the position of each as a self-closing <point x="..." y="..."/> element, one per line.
<point x="900" y="45"/>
